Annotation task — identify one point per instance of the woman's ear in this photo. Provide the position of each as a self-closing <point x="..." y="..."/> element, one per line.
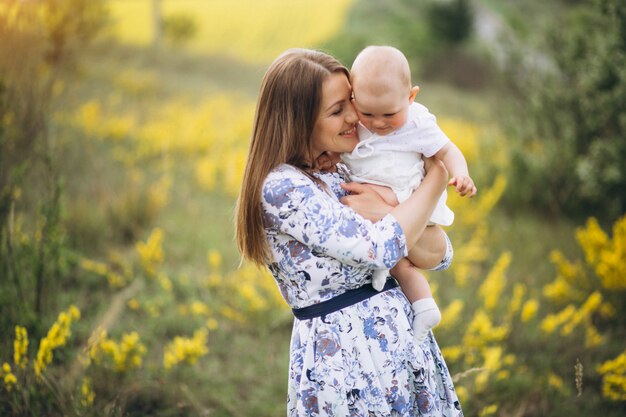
<point x="413" y="93"/>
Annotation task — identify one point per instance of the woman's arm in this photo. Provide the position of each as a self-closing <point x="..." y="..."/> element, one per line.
<point x="413" y="214"/>
<point x="294" y="205"/>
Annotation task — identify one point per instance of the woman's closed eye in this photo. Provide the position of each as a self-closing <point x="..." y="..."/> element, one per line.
<point x="338" y="111"/>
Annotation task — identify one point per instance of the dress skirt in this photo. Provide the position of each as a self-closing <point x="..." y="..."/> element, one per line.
<point x="362" y="361"/>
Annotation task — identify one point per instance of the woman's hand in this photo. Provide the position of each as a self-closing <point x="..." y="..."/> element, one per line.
<point x="365" y="201"/>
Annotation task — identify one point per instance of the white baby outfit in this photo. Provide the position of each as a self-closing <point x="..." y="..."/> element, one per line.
<point x="395" y="161"/>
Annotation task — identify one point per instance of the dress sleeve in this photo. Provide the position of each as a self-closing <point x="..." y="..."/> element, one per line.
<point x="295" y="205"/>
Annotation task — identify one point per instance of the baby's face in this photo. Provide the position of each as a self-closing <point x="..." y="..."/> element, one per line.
<point x="382" y="113"/>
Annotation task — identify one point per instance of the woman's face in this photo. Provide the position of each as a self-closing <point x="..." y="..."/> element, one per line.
<point x="335" y="127"/>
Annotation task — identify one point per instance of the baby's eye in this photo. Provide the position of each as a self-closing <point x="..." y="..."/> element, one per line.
<point x="338" y="111"/>
<point x="389" y="114"/>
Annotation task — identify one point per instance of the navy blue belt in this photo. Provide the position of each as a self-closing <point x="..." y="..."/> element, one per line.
<point x="341" y="301"/>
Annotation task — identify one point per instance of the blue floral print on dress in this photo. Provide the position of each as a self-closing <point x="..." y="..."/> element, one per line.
<point x="362" y="360"/>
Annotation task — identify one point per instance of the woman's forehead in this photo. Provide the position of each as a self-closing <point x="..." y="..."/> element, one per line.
<point x="335" y="88"/>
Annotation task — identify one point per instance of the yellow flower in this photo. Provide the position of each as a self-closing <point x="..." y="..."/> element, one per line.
<point x="115" y="280"/>
<point x="20" y="347"/>
<point x="188" y="350"/>
<point x="452" y="353"/>
<point x="488" y="410"/>
<point x="492" y="286"/>
<point x="125" y="355"/>
<point x="529" y="310"/>
<point x="93" y="266"/>
<point x="555" y="381"/>
<point x="199" y="309"/>
<point x="57" y="336"/>
<point x="9" y="379"/>
<point x="519" y="290"/>
<point x="552" y="321"/>
<point x="87" y="394"/>
<point x="614" y="378"/>
<point x="592" y="239"/>
<point x="451" y="313"/>
<point x="151" y="252"/>
<point x="133" y="304"/>
<point x="592" y="337"/>
<point x="215" y="259"/>
<point x="503" y="374"/>
<point x="232" y="314"/>
<point x="606" y="254"/>
<point x="481" y="331"/>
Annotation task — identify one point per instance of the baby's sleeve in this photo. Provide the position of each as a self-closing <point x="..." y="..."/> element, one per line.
<point x="428" y="138"/>
<point x="294" y="205"/>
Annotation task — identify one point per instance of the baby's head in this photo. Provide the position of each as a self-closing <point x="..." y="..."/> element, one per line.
<point x="381" y="84"/>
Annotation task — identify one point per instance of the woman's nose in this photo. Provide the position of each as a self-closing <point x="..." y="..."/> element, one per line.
<point x="351" y="116"/>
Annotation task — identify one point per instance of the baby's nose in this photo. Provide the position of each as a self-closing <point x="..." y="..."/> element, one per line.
<point x="378" y="123"/>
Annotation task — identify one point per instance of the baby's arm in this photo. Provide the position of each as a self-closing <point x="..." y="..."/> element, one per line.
<point x="454" y="161"/>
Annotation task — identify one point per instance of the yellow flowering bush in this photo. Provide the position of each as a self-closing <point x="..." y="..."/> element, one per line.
<point x="57" y="337"/>
<point x="183" y="349"/>
<point x="8" y="377"/>
<point x="491" y="288"/>
<point x="124" y="355"/>
<point x="87" y="395"/>
<point x="605" y="255"/>
<point x="151" y="252"/>
<point x="20" y="347"/>
<point x="614" y="377"/>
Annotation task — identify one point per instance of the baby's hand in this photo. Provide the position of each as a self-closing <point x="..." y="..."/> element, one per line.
<point x="327" y="161"/>
<point x="464" y="185"/>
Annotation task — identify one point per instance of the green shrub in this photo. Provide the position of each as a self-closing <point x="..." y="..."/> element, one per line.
<point x="40" y="41"/>
<point x="570" y="115"/>
<point x="179" y="28"/>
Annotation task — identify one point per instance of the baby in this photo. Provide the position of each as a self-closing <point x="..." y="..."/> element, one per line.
<point x="394" y="133"/>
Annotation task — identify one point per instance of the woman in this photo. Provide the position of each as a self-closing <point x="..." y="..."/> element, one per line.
<point x="352" y="349"/>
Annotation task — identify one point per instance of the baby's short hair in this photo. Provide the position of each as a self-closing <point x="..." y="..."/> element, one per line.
<point x="382" y="62"/>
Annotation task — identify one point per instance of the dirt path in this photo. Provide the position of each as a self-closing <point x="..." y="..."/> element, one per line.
<point x="106" y="322"/>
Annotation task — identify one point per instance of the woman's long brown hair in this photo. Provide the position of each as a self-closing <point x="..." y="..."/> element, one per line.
<point x="287" y="108"/>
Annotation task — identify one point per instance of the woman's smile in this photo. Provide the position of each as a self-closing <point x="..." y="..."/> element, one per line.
<point x="335" y="127"/>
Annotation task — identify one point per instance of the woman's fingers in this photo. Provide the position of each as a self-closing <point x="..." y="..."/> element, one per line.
<point x="354" y="187"/>
<point x="365" y="201"/>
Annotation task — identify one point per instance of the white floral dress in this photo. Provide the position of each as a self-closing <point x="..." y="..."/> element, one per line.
<point x="361" y="360"/>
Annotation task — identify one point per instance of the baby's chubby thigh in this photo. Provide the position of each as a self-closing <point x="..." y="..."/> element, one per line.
<point x="386" y="193"/>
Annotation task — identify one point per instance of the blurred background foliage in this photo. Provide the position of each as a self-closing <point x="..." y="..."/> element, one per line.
<point x="123" y="134"/>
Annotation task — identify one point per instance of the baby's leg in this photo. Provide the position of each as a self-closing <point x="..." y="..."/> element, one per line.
<point x="426" y="314"/>
<point x="431" y="248"/>
<point x="385" y="193"/>
<point x="411" y="280"/>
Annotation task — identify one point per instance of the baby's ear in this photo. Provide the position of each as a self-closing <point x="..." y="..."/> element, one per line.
<point x="413" y="93"/>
